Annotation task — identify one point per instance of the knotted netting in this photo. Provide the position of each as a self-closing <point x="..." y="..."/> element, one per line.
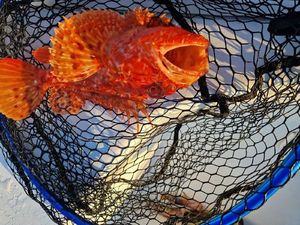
<point x="212" y="152"/>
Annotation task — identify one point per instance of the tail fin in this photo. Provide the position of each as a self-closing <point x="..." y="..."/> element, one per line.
<point x="21" y="88"/>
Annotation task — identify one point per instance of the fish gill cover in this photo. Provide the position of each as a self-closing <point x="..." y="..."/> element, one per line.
<point x="205" y="149"/>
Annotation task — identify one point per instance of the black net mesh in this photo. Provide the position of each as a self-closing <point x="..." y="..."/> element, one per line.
<point x="210" y="144"/>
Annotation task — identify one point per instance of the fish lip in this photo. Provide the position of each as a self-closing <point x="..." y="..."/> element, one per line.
<point x="185" y="77"/>
<point x="163" y="50"/>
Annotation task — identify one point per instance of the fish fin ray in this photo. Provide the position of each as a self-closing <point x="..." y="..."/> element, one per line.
<point x="76" y="53"/>
<point x="65" y="102"/>
<point x="42" y="54"/>
<point x="143" y="17"/>
<point x="22" y="89"/>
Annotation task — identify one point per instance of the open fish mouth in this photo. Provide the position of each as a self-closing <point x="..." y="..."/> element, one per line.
<point x="184" y="64"/>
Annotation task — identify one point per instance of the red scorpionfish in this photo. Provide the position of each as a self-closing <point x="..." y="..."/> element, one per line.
<point x="116" y="61"/>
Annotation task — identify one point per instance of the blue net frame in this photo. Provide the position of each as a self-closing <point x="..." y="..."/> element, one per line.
<point x="253" y="201"/>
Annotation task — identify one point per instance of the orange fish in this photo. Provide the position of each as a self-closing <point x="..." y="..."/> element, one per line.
<point x="116" y="61"/>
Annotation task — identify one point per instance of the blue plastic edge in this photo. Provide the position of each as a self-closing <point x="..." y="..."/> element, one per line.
<point x="69" y="214"/>
<point x="287" y="169"/>
<point x="257" y="198"/>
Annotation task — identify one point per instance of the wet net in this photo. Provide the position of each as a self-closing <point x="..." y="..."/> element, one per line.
<point x="209" y="147"/>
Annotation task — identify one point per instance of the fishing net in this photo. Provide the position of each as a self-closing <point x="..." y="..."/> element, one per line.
<point x="209" y="147"/>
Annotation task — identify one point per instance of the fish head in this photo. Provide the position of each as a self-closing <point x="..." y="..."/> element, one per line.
<point x="180" y="55"/>
<point x="161" y="59"/>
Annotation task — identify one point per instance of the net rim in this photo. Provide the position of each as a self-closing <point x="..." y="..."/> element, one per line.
<point x="252" y="201"/>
